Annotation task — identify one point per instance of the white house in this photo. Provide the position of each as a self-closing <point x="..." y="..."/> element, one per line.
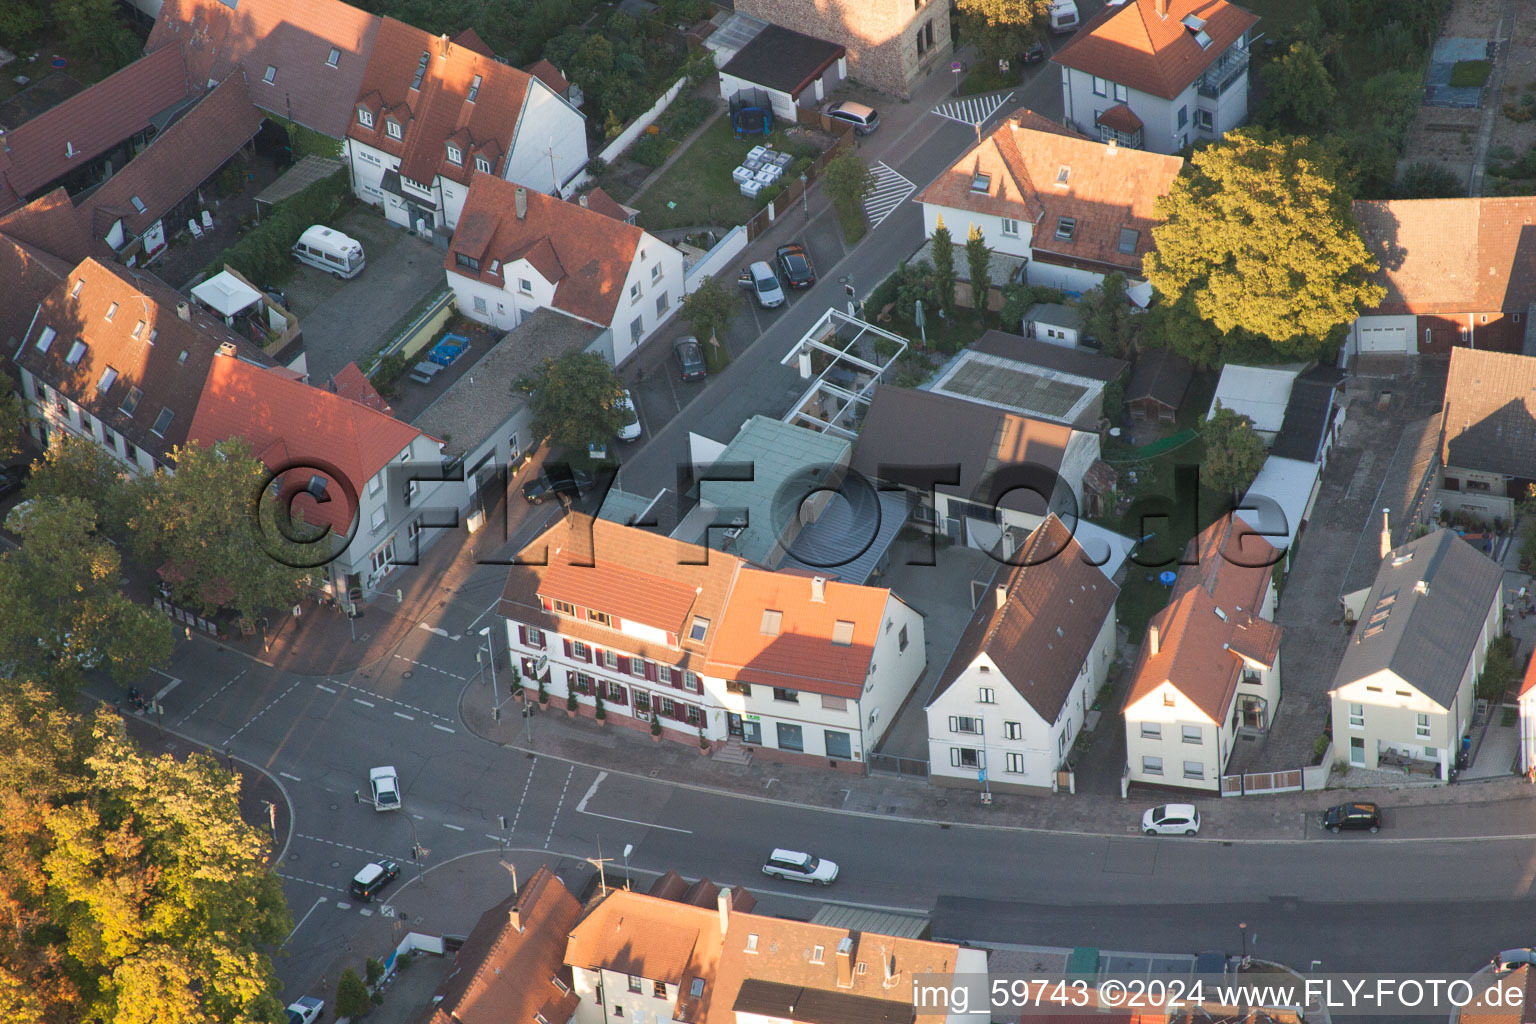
<point x="1158" y="74"/>
<point x="1069" y="208"/>
<point x="786" y="68"/>
<point x="1259" y="392"/>
<point x="1210" y="664"/>
<point x="1018" y="687"/>
<point x="431" y="113"/>
<point x="516" y="251"/>
<point x="1407" y="684"/>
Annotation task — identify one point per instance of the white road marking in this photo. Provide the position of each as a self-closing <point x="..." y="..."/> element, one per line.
<point x="296" y="927"/>
<point x="168" y="687"/>
<point x="400" y="703"/>
<point x="439" y="630"/>
<point x="274" y="702"/>
<point x="344" y="846"/>
<point x="890" y="191"/>
<point x="524" y="798"/>
<point x="443" y="727"/>
<point x="972" y="111"/>
<point x="366" y="913"/>
<point x="322" y="686"/>
<point x="434" y="668"/>
<point x="489" y="608"/>
<point x="402" y="714"/>
<point x="295" y="778"/>
<point x="497" y="838"/>
<point x="592" y="791"/>
<point x="364" y="703"/>
<point x="456" y="828"/>
<point x="568" y="776"/>
<point x="322" y="885"/>
<point x="212" y="695"/>
<point x="343" y="906"/>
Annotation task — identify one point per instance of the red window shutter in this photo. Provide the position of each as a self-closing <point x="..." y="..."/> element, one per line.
<point x="567" y="648"/>
<point x="623" y="664"/>
<point x="650" y="671"/>
<point x="588" y="658"/>
<point x="676" y="677"/>
<point x="522" y="635"/>
<point x="597" y="655"/>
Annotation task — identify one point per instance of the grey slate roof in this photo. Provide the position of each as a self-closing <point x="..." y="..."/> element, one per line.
<point x="782" y="59"/>
<point x="1308" y="414"/>
<point x="1490" y="413"/>
<point x="1162" y="375"/>
<point x="1426" y="636"/>
<point x="1052" y="357"/>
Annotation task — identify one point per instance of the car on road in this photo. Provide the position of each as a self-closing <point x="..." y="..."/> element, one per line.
<point x="555" y="481"/>
<point x="386" y="788"/>
<point x="1171" y="820"/>
<point x="800" y="867"/>
<point x="369" y="882"/>
<point x="864" y="119"/>
<point x="1034" y="55"/>
<point x="765" y="286"/>
<point x="1352" y="815"/>
<point x="306" y="1010"/>
<point x="690" y="356"/>
<point x="631" y="428"/>
<point x="795" y="264"/>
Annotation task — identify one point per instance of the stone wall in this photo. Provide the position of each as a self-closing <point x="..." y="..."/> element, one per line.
<point x="881" y="35"/>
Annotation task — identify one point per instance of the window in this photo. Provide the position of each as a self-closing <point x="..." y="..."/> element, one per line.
<point x="474" y="90"/>
<point x="375" y="482"/>
<point x="1151" y="765"/>
<point x="1151" y="731"/>
<point x="580" y="650"/>
<point x="334" y="58"/>
<point x="965" y="723"/>
<point x="601" y="618"/>
<point x="467" y="262"/>
<point x="482" y="165"/>
<point x="618" y="1011"/>
<point x="901" y="639"/>
<point x="455" y="154"/>
<point x="1357" y="716"/>
<point x="378" y="519"/>
<point x="611" y="660"/>
<point x="1183" y="116"/>
<point x="1204" y="120"/>
<point x="565" y="608"/>
<point x="76" y="353"/>
<point x="928" y="31"/>
<point x="692" y="681"/>
<point x="636" y="329"/>
<point x="964" y="757"/>
<point x="1100" y="86"/>
<point x="839" y="744"/>
<point x="634" y="983"/>
<point x="661" y="303"/>
<point x="132" y="401"/>
<point x="525" y="286"/>
<point x="981" y="182"/>
<point x="1010" y="228"/>
<point x="660" y="989"/>
<point x="1128" y="239"/>
<point x="46" y="338"/>
<point x="790" y="737"/>
<point x="733" y="686"/>
<point x="1373" y="689"/>
<point x="1061" y="740"/>
<point x="1167" y="700"/>
<point x="1194" y="769"/>
<point x="1192" y="734"/>
<point x="788" y="696"/>
<point x="271" y="75"/>
<point x="817" y="952"/>
<point x="699" y="627"/>
<point x="112" y="312"/>
<point x="842" y="633"/>
<point x="637" y="667"/>
<point x="1066" y="227"/>
<point x="138" y="329"/>
<point x="393" y="127"/>
<point x="634" y="292"/>
<point x="751" y="943"/>
<point x="535" y="637"/>
<point x="617" y="694"/>
<point x="480" y="304"/>
<point x="986" y="695"/>
<point x="920" y="50"/>
<point x="1121" y="93"/>
<point x="1421" y="726"/>
<point x="108" y="378"/>
<point x="655" y="272"/>
<point x="1013" y="730"/>
<point x="1014" y="764"/>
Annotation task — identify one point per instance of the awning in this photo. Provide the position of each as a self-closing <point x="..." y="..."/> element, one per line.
<point x="226" y="294"/>
<point x="1141" y="293"/>
<point x="391" y="183"/>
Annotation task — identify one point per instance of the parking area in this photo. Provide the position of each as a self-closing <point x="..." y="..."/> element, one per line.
<point x="346" y="321"/>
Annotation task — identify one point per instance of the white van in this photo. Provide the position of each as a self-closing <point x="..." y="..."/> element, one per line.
<point x="331" y="251"/>
<point x="1064" y="16"/>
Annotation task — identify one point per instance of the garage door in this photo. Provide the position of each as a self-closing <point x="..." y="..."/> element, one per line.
<point x="1384" y="339"/>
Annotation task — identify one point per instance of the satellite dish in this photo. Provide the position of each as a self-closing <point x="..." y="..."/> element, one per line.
<point x="1114" y="431"/>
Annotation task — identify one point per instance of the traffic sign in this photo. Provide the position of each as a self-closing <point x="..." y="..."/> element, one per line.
<point x="956" y="67"/>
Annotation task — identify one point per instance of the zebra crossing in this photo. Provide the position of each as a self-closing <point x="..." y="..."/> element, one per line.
<point x="890" y="191"/>
<point x="973" y="111"/>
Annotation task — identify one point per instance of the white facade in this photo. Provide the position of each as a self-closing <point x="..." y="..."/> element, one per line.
<point x="393" y="507"/>
<point x="49" y="412"/>
<point x="981" y="722"/>
<point x="627" y="998"/>
<point x="1012" y="237"/>
<point x="783" y="103"/>
<point x="1383" y="335"/>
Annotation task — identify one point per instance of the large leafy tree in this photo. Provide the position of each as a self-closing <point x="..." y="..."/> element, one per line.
<point x="847" y="180"/>
<point x="96" y="28"/>
<point x="76" y="468"/>
<point x="1105" y="312"/>
<point x="1301" y="93"/>
<point x="575" y="400"/>
<point x="217" y="535"/>
<point x="1234" y="452"/>
<point x="709" y="309"/>
<point x="62" y="612"/>
<point x="1260" y="236"/>
<point x="1002" y="29"/>
<point x="13" y="418"/>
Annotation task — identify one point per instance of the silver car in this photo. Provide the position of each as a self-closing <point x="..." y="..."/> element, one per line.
<point x="765" y="285"/>
<point x="631" y="428"/>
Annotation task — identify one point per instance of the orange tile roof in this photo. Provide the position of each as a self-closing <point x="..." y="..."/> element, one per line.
<point x="1107" y="188"/>
<point x="584" y="252"/>
<point x="605" y="204"/>
<point x="294" y="36"/>
<point x="1135" y="45"/>
<point x="51" y="224"/>
<point x="504" y="974"/>
<point x="288" y="423"/>
<point x="350" y="383"/>
<point x="644" y="936"/>
<point x="29" y="275"/>
<point x="440" y="109"/>
<point x="550" y="75"/>
<point x="1232" y="563"/>
<point x="1490" y="1010"/>
<point x="1121" y="118"/>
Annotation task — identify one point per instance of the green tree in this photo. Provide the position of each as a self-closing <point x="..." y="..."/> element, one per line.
<point x="1002" y="29"/>
<point x="1259" y="234"/>
<point x="20" y="20"/>
<point x="709" y="309"/>
<point x="1425" y="180"/>
<point x="1234" y="453"/>
<point x="944" y="267"/>
<point x="978" y="259"/>
<point x="76" y="468"/>
<point x="352" y="996"/>
<point x="575" y="400"/>
<point x="1105" y="313"/>
<point x="1301" y="94"/>
<point x="374" y="971"/>
<point x="62" y="611"/>
<point x="847" y="180"/>
<point x="95" y="28"/>
<point x="219" y="537"/>
<point x="13" y="418"/>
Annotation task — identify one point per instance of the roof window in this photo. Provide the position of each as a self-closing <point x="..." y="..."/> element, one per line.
<point x="981" y="182"/>
<point x="421" y="70"/>
<point x="111" y="312"/>
<point x="138" y="329"/>
<point x="316" y="488"/>
<point x="74" y="292"/>
<point x="1062" y="174"/>
<point x="1066" y="227"/>
<point x="163" y="422"/>
<point x="154" y="332"/>
<point x="842" y="633"/>
<point x="334" y="58"/>
<point x="76" y="353"/>
<point x="1128" y="239"/>
<point x="772" y="619"/>
<point x="46" y="338"/>
<point x="696" y="989"/>
<point x="751" y="943"/>
<point x="271" y="75"/>
<point x="132" y="401"/>
<point x="181" y="359"/>
<point x="474" y="89"/>
<point x="138" y="204"/>
<point x="698" y="629"/>
<point x="1204" y="40"/>
<point x="108" y="378"/>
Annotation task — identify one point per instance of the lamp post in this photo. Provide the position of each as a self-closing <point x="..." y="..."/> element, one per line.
<point x="805" y="202"/>
<point x="418" y="853"/>
<point x="1242" y="931"/>
<point x="490" y="650"/>
<point x="628" y="848"/>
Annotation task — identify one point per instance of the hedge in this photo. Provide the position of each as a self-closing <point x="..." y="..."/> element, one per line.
<point x="263" y="253"/>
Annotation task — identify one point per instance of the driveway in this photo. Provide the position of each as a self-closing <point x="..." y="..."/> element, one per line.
<point x="345" y="321"/>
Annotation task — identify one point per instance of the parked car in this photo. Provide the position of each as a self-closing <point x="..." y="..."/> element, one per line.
<point x="555" y="481"/>
<point x="863" y="118"/>
<point x="800" y="867"/>
<point x="631" y="428"/>
<point x="795" y="264"/>
<point x="1034" y="55"/>
<point x="1508" y="960"/>
<point x="1063" y="16"/>
<point x="690" y="356"/>
<point x="369" y="882"/>
<point x="386" y="788"/>
<point x="1352" y="815"/>
<point x="1171" y="820"/>
<point x="306" y="1010"/>
<point x="765" y="286"/>
<point x="11" y="480"/>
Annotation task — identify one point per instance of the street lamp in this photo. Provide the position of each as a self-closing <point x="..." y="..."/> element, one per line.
<point x="628" y="848"/>
<point x="805" y="202"/>
<point x="418" y="852"/>
<point x="1242" y="931"/>
<point x="490" y="650"/>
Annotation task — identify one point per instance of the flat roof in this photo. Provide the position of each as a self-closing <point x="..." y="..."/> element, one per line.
<point x="1007" y="384"/>
<point x="1288" y="484"/>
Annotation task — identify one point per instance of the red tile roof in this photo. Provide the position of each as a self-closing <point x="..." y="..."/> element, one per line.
<point x="1136" y="46"/>
<point x="471" y="39"/>
<point x="550" y="75"/>
<point x="51" y="224"/>
<point x="1121" y="118"/>
<point x="440" y="109"/>
<point x="1452" y="255"/>
<point x="29" y="275"/>
<point x="294" y="36"/>
<point x="179" y="160"/>
<point x="642" y="936"/>
<point x="350" y="383"/>
<point x="288" y="423"/>
<point x="585" y="253"/>
<point x="88" y="124"/>
<point x="605" y="204"/>
<point x="1108" y="189"/>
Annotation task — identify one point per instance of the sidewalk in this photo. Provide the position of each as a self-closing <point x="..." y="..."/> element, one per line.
<point x="1288" y="816"/>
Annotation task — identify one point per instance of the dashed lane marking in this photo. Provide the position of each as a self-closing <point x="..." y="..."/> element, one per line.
<point x="443" y="727"/>
<point x="390" y="700"/>
<point x="402" y="714"/>
<point x="321" y="885"/>
<point x="532" y="765"/>
<point x="366" y="913"/>
<point x="364" y="703"/>
<point x="295" y="778"/>
<point x="456" y="828"/>
<point x="345" y="846"/>
<point x="322" y="686"/>
<point x="581" y="808"/>
<point x="434" y="668"/>
<point x="210" y="697"/>
<point x="274" y="702"/>
<point x="561" y="803"/>
<point x="890" y="191"/>
<point x="343" y="906"/>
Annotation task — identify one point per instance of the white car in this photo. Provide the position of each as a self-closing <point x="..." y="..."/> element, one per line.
<point x="1171" y="820"/>
<point x="386" y="788"/>
<point x="765" y="285"/>
<point x="800" y="867"/>
<point x="306" y="1010"/>
<point x="631" y="428"/>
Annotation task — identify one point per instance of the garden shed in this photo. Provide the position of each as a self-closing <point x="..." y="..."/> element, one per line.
<point x="794" y="70"/>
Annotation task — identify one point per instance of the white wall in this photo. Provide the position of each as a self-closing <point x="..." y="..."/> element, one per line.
<point x="783" y="104"/>
<point x="959" y="222"/>
<point x="897" y="669"/>
<point x="649" y="254"/>
<point x="547" y="122"/>
<point x="627" y="137"/>
<point x="506" y="305"/>
<point x="1073" y="280"/>
<point x="718" y="260"/>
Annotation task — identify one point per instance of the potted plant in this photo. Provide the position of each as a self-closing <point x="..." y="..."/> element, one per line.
<point x="570" y="701"/>
<point x="543" y="693"/>
<point x="517" y="688"/>
<point x="599" y="712"/>
<point x="703" y="743"/>
<point x="655" y="728"/>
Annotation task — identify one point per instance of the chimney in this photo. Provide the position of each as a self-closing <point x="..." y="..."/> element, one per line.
<point x="1111" y="143"/>
<point x="446" y="47"/>
<point x="888" y="962"/>
<point x="1152" y="640"/>
<point x="724" y="900"/>
<point x="522" y="203"/>
<point x="1002" y="597"/>
<point x="582" y="199"/>
<point x="227" y="348"/>
<point x="69" y="150"/>
<point x="845" y="962"/>
<point x="819" y="589"/>
<point x="1162" y="8"/>
<point x="1016" y="123"/>
<point x="184" y="311"/>
<point x="515" y="919"/>
<point x="1386" y="533"/>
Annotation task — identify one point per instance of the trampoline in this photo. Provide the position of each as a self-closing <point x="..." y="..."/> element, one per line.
<point x="752" y="112"/>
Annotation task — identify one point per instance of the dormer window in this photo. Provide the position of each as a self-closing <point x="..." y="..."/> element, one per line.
<point x="474" y="89"/>
<point x="108" y="378"/>
<point x="981" y="182"/>
<point x="1128" y="239"/>
<point x="1066" y="227"/>
<point x="271" y="75"/>
<point x="46" y="338"/>
<point x="697" y="630"/>
<point x="482" y="164"/>
<point x="467" y="262"/>
<point x="393" y="127"/>
<point x="364" y="118"/>
<point x="76" y="353"/>
<point x="455" y="154"/>
<point x="334" y="58"/>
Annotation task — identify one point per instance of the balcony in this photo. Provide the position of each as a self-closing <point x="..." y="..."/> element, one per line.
<point x="1221" y="76"/>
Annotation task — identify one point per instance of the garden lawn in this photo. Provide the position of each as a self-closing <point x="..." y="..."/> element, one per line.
<point x="700" y="183"/>
<point x="985" y="77"/>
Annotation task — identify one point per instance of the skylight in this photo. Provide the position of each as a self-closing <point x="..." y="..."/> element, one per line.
<point x="1128" y="239"/>
<point x="1193" y="23"/>
<point x="271" y="75"/>
<point x="111" y="312"/>
<point x="138" y="204"/>
<point x="474" y="89"/>
<point x="138" y="329"/>
<point x="76" y="353"/>
<point x="1062" y="174"/>
<point x="1066" y="227"/>
<point x="132" y="401"/>
<point x="334" y="58"/>
<point x="421" y="70"/>
<point x="163" y="422"/>
<point x="108" y="378"/>
<point x="46" y="338"/>
<point x="1204" y="40"/>
<point x="981" y="182"/>
<point x="698" y="629"/>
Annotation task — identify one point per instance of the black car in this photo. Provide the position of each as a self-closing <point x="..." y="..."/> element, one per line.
<point x="1352" y="815"/>
<point x="557" y="480"/>
<point x="370" y="881"/>
<point x="690" y="357"/>
<point x="795" y="265"/>
<point x="12" y="478"/>
<point x="1034" y="54"/>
